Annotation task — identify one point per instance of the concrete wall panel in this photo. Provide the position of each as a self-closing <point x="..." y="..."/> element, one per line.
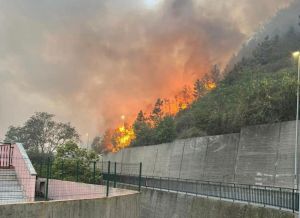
<point x="128" y="157"/>
<point x="161" y="166"/>
<point x="286" y="154"/>
<point x="131" y="159"/>
<point x="257" y="155"/>
<point x="221" y="158"/>
<point x="193" y="159"/>
<point x="149" y="160"/>
<point x="175" y="161"/>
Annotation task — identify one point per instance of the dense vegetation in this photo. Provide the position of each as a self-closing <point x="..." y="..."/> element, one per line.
<point x="70" y="163"/>
<point x="53" y="148"/>
<point x="258" y="89"/>
<point x="41" y="133"/>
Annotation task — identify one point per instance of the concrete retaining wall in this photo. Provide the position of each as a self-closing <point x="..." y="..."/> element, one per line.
<point x="159" y="204"/>
<point x="261" y="155"/>
<point x="126" y="206"/>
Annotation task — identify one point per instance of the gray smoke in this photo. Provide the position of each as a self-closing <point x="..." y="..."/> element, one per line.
<point x="89" y="62"/>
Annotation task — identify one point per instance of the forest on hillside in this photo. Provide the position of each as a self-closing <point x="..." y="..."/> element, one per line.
<point x="258" y="89"/>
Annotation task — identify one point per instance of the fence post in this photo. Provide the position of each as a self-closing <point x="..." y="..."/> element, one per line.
<point x="94" y="172"/>
<point x="293" y="200"/>
<point x="159" y="183"/>
<point x="249" y="197"/>
<point x="47" y="182"/>
<point x="62" y="169"/>
<point x="50" y="168"/>
<point x="234" y="191"/>
<point x="140" y="176"/>
<point x="264" y="196"/>
<point x="41" y="168"/>
<point x="115" y="175"/>
<point x="297" y="200"/>
<point x="10" y="156"/>
<point x="77" y="171"/>
<point x="220" y="190"/>
<point x="280" y="198"/>
<point x="107" y="181"/>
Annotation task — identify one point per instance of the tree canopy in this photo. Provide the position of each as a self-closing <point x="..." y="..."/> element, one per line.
<point x="258" y="89"/>
<point x="40" y="132"/>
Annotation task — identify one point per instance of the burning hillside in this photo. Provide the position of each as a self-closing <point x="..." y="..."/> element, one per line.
<point x="123" y="136"/>
<point x="91" y="62"/>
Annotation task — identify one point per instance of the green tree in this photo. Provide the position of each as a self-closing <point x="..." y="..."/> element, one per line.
<point x="157" y="112"/>
<point x="165" y="131"/>
<point x="72" y="162"/>
<point x="215" y="74"/>
<point x="199" y="89"/>
<point x="97" y="145"/>
<point x="143" y="131"/>
<point x="40" y="132"/>
<point x="15" y="134"/>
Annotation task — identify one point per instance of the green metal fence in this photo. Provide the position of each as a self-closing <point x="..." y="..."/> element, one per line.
<point x="114" y="172"/>
<point x="285" y="198"/>
<point x="83" y="172"/>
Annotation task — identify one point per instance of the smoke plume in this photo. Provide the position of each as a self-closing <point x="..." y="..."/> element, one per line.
<point x="89" y="62"/>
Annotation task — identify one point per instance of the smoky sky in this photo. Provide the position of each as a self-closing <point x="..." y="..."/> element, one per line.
<point x="89" y="62"/>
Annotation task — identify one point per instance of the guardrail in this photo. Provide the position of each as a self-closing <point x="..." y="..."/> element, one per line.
<point x="283" y="198"/>
<point x="6" y="153"/>
<point x="72" y="178"/>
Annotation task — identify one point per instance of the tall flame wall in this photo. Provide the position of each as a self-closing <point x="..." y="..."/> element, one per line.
<point x="258" y="155"/>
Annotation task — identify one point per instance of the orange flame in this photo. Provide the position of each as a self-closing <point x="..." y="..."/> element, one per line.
<point x="210" y="86"/>
<point x="181" y="101"/>
<point x="122" y="137"/>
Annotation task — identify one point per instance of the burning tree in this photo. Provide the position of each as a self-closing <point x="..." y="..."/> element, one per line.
<point x="159" y="126"/>
<point x="122" y="137"/>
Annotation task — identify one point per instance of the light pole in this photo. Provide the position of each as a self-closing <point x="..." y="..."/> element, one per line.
<point x="297" y="56"/>
<point x="88" y="141"/>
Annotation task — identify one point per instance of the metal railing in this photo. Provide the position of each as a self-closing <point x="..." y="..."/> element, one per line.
<point x="111" y="175"/>
<point x="62" y="174"/>
<point x="283" y="198"/>
<point x="6" y="154"/>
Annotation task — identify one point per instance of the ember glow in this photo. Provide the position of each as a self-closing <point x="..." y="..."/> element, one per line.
<point x="180" y="101"/>
<point x="125" y="137"/>
<point x="124" y="134"/>
<point x="120" y="138"/>
<point x="210" y="86"/>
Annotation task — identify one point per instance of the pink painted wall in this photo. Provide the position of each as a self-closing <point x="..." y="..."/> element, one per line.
<point x="25" y="172"/>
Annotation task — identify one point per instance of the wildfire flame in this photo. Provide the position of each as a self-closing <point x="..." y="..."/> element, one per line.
<point x="123" y="135"/>
<point x="181" y="101"/>
<point x="210" y="86"/>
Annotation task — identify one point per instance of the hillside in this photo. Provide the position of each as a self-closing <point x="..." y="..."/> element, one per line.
<point x="259" y="89"/>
